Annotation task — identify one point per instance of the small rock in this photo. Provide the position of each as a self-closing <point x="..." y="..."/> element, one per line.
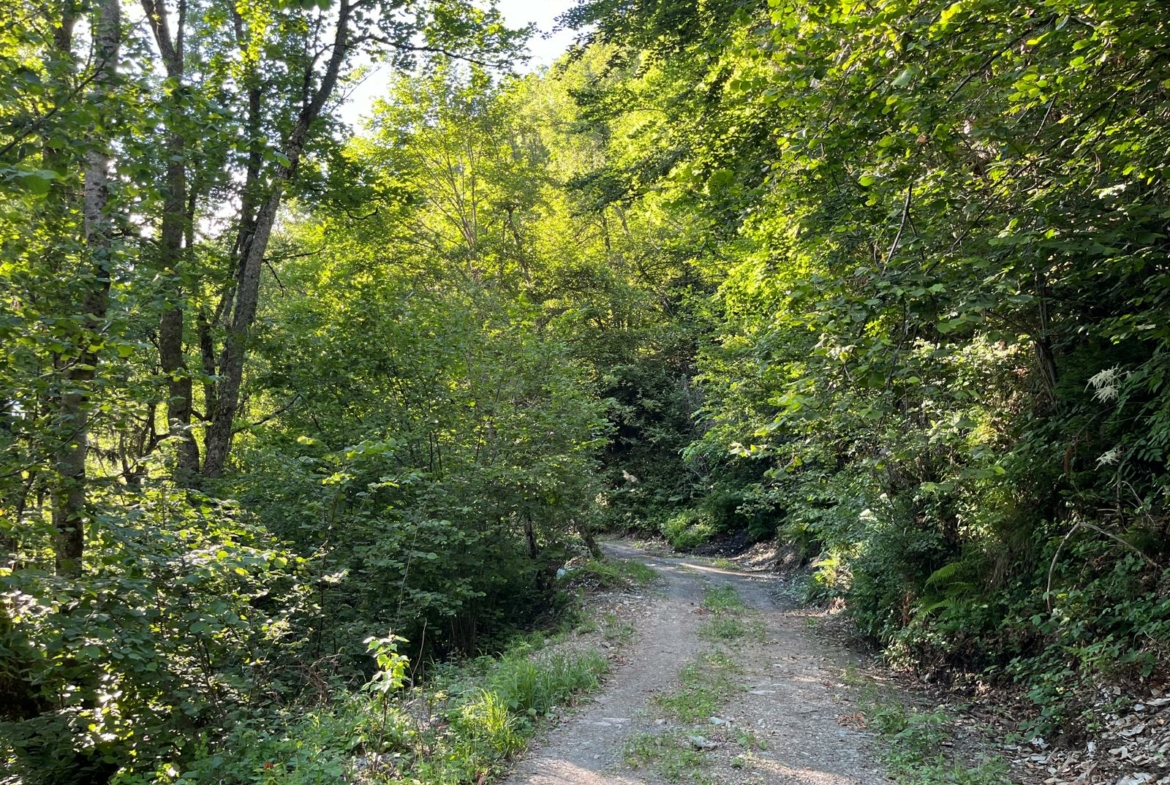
<point x="702" y="743"/>
<point x="1135" y="779"/>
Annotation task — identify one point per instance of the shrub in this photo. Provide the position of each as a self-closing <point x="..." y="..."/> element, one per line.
<point x="187" y="615"/>
<point x="530" y="686"/>
<point x="688" y="529"/>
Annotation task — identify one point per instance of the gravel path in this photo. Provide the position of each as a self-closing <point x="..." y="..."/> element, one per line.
<point x="792" y="698"/>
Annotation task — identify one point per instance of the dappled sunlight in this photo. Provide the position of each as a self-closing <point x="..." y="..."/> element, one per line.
<point x="711" y="570"/>
<point x="562" y="772"/>
<point x="789" y="775"/>
<point x="514" y="432"/>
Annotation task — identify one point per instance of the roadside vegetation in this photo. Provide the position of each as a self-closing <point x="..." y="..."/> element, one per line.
<point x="883" y="283"/>
<point x="915" y="749"/>
<point x="598" y="574"/>
<point x="461" y="725"/>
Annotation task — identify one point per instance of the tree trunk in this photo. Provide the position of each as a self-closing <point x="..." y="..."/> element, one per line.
<point x="231" y="360"/>
<point x="172" y="357"/>
<point x="174" y="228"/>
<point x="69" y="497"/>
<point x="1045" y="354"/>
<point x="530" y="537"/>
<point x="253" y="245"/>
<point x="591" y="543"/>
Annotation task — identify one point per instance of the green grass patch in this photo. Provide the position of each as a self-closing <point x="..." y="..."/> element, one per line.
<point x="704" y="685"/>
<point x="610" y="575"/>
<point x="729" y="629"/>
<point x="912" y="743"/>
<point x="530" y="686"/>
<point x="670" y="755"/>
<point x="722" y="598"/>
<point x="727" y="624"/>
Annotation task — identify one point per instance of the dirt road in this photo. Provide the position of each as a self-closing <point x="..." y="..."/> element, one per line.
<point x="787" y="719"/>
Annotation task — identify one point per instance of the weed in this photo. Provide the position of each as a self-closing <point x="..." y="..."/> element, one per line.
<point x="725" y="624"/>
<point x="722" y="598"/>
<point x="913" y="740"/>
<point x="531" y="686"/>
<point x="671" y="755"/>
<point x="723" y="563"/>
<point x="639" y="573"/>
<point x="730" y="629"/>
<point x="723" y="628"/>
<point x="609" y="575"/>
<point x="615" y="630"/>
<point x="750" y="741"/>
<point x="587" y="625"/>
<point x="487" y="720"/>
<point x="704" y="685"/>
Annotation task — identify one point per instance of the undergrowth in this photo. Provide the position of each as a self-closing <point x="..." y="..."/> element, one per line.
<point x="913" y="741"/>
<point x="609" y="574"/>
<point x="458" y="728"/>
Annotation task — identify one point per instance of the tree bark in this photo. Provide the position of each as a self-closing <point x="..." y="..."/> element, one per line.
<point x="231" y="361"/>
<point x="1045" y="354"/>
<point x="253" y="245"/>
<point x="172" y="356"/>
<point x="69" y="497"/>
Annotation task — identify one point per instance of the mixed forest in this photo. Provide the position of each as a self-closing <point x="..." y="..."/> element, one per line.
<point x="294" y="414"/>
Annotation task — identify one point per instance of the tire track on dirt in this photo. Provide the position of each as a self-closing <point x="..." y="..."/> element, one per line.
<point x="791" y="697"/>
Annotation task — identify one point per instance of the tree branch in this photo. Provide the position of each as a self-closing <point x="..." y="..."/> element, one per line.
<point x="268" y="418"/>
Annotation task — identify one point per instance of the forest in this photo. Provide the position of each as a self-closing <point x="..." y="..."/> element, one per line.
<point x="297" y="412"/>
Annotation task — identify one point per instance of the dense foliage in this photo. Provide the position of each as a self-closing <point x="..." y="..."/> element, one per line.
<point x="940" y="328"/>
<point x="884" y="281"/>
